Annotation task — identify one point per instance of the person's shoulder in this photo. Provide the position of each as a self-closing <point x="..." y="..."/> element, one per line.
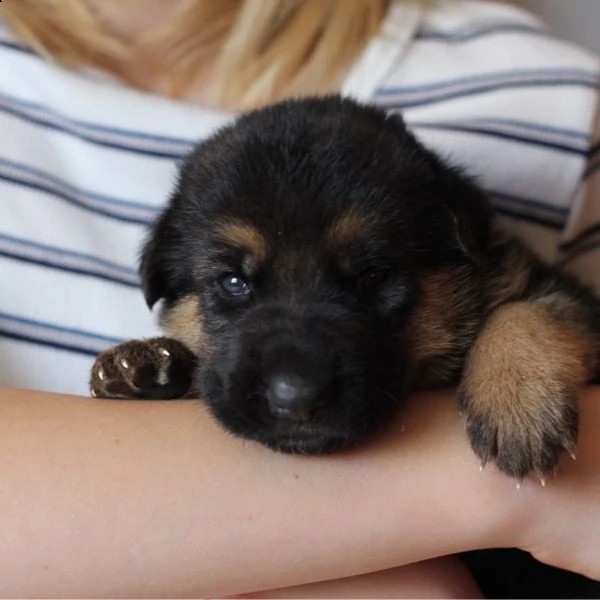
<point x="427" y="55"/>
<point x="484" y="79"/>
<point x="489" y="40"/>
<point x="454" y="18"/>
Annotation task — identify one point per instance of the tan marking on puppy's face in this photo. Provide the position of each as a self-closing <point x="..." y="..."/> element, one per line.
<point x="430" y="326"/>
<point x="442" y="326"/>
<point x="244" y="235"/>
<point x="347" y="228"/>
<point x="184" y="322"/>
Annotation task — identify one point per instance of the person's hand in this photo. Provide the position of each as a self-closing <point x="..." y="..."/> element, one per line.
<point x="565" y="514"/>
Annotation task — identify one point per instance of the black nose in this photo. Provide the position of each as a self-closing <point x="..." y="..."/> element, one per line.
<point x="292" y="396"/>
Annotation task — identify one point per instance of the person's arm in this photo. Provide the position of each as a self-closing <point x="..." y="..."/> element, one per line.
<point x="106" y="498"/>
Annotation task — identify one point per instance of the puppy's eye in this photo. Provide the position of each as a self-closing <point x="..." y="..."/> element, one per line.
<point x="370" y="280"/>
<point x="234" y="285"/>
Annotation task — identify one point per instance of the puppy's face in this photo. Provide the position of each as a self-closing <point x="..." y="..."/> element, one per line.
<point x="309" y="257"/>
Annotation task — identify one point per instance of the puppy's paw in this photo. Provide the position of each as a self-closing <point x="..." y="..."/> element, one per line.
<point x="525" y="428"/>
<point x="519" y="388"/>
<point x="155" y="369"/>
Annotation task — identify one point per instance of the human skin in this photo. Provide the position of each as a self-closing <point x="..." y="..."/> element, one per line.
<point x="131" y="498"/>
<point x="446" y="577"/>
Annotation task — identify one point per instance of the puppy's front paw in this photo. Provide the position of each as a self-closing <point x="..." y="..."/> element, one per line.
<point x="158" y="369"/>
<point x="519" y="388"/>
<point x="523" y="425"/>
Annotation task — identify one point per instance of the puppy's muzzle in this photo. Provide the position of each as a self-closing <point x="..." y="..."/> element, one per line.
<point x="295" y="362"/>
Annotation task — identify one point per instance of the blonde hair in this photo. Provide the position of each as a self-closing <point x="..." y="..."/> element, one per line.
<point x="264" y="50"/>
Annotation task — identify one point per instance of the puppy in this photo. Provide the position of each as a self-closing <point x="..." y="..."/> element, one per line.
<point x="316" y="264"/>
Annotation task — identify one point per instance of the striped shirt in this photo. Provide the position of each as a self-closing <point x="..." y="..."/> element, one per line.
<point x="86" y="163"/>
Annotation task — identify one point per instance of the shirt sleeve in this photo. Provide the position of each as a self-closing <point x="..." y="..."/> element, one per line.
<point x="579" y="249"/>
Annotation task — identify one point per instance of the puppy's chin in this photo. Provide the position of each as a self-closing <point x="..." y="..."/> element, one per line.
<point x="306" y="443"/>
<point x="350" y="420"/>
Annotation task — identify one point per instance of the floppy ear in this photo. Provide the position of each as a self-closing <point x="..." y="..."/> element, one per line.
<point x="471" y="211"/>
<point x="468" y="206"/>
<point x="153" y="267"/>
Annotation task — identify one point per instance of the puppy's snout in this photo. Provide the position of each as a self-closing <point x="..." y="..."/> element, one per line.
<point x="293" y="396"/>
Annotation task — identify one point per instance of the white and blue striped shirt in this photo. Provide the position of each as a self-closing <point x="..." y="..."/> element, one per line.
<point x="86" y="163"/>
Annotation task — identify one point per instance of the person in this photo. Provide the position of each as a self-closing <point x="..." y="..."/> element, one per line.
<point x="99" y="100"/>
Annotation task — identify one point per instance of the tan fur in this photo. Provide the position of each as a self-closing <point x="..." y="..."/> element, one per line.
<point x="184" y="322"/>
<point x="512" y="279"/>
<point x="244" y="235"/>
<point x="347" y="228"/>
<point x="433" y="328"/>
<point x="522" y="374"/>
<point x="430" y="326"/>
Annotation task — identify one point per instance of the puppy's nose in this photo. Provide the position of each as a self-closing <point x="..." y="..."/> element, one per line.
<point x="291" y="396"/>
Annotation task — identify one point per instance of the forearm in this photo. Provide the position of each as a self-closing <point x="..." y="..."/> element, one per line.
<point x="112" y="498"/>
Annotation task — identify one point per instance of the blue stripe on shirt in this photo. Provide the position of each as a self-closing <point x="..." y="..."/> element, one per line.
<point x="27" y="169"/>
<point x="41" y="341"/>
<point x="469" y="34"/>
<point x="126" y="141"/>
<point x="582" y="236"/>
<point x="121" y="210"/>
<point x="183" y="143"/>
<point x="491" y="131"/>
<point x="528" y="125"/>
<point x="46" y="262"/>
<point x="412" y="96"/>
<point x="528" y="209"/>
<point x="68" y="261"/>
<point x="55" y="336"/>
<point x="578" y="251"/>
<point x="17" y="47"/>
<point x="499" y="76"/>
<point x="54" y="249"/>
<point x="594" y="149"/>
<point x="528" y="218"/>
<point x="59" y="328"/>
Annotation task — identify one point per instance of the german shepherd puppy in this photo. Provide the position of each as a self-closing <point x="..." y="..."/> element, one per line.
<point x="316" y="264"/>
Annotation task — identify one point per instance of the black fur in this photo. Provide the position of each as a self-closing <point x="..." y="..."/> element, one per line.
<point x="291" y="171"/>
<point x="340" y="317"/>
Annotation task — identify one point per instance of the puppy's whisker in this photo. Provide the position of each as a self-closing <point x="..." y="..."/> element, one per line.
<point x="389" y="395"/>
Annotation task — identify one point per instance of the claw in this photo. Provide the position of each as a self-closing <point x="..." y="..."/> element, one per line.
<point x="93" y="394"/>
<point x="124" y="363"/>
<point x="482" y="464"/>
<point x="543" y="481"/>
<point x="101" y="374"/>
<point x="164" y="352"/>
<point x="571" y="452"/>
<point x="518" y="484"/>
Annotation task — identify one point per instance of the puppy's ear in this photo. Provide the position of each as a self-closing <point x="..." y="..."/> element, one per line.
<point x="154" y="266"/>
<point x="471" y="212"/>
<point x="468" y="206"/>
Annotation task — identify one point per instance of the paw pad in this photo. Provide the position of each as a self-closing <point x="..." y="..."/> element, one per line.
<point x="159" y="368"/>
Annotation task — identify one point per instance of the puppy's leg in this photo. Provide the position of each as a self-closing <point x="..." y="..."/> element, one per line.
<point x="519" y="386"/>
<point x="156" y="369"/>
